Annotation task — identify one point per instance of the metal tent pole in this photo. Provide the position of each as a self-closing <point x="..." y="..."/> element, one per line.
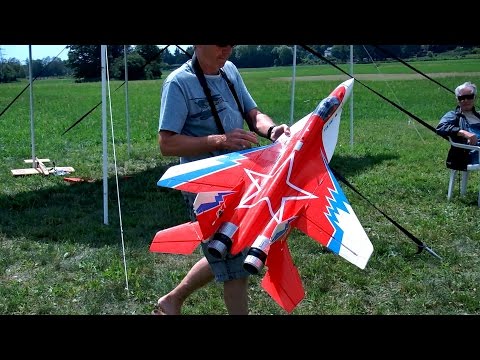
<point x="126" y="100"/>
<point x="292" y="100"/>
<point x="32" y="126"/>
<point x="104" y="134"/>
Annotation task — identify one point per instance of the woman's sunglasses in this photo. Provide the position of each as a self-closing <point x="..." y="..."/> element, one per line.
<point x="465" y="97"/>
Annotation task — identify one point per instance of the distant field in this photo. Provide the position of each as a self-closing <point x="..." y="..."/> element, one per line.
<point x="57" y="256"/>
<point x="377" y="76"/>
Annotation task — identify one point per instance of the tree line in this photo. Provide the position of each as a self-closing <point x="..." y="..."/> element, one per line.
<point x="146" y="62"/>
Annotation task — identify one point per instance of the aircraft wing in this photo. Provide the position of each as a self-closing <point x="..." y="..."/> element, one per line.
<point x="330" y="220"/>
<point x="220" y="173"/>
<point x="223" y="172"/>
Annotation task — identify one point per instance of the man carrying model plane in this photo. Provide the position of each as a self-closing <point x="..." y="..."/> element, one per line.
<point x="203" y="107"/>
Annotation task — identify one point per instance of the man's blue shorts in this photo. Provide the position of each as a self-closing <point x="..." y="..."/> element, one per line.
<point x="231" y="267"/>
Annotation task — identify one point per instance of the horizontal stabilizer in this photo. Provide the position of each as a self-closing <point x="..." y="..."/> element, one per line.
<point x="181" y="239"/>
<point x="29" y="161"/>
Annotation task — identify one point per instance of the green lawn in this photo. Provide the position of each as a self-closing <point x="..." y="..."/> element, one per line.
<point x="57" y="256"/>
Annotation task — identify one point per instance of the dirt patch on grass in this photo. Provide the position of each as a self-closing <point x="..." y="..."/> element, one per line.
<point x="342" y="77"/>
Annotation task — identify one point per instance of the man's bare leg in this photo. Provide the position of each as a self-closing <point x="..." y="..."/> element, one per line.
<point x="199" y="275"/>
<point x="235" y="296"/>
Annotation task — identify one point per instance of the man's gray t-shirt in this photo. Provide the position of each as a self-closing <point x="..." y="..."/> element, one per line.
<point x="185" y="109"/>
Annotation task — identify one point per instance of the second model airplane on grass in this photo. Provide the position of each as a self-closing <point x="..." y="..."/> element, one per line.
<point x="254" y="198"/>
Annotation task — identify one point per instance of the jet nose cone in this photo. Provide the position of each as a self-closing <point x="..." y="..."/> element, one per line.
<point x="343" y="90"/>
<point x="348" y="84"/>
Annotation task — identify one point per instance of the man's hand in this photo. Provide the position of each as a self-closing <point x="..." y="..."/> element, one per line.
<point x="239" y="139"/>
<point x="472" y="139"/>
<point x="278" y="130"/>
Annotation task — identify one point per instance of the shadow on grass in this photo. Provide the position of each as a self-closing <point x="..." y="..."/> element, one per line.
<point x="73" y="212"/>
<point x="348" y="166"/>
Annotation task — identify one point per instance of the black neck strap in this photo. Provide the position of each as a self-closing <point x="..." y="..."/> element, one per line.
<point x="234" y="93"/>
<point x="206" y="90"/>
<point x="201" y="77"/>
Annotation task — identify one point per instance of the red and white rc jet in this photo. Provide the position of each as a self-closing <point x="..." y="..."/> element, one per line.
<point x="254" y="198"/>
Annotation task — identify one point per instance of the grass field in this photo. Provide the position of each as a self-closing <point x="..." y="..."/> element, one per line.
<point x="57" y="256"/>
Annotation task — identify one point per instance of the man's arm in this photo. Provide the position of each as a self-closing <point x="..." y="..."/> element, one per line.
<point x="173" y="144"/>
<point x="261" y="123"/>
<point x="449" y="126"/>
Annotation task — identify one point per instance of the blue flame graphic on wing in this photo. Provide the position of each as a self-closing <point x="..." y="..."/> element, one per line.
<point x="337" y="202"/>
<point x="210" y="205"/>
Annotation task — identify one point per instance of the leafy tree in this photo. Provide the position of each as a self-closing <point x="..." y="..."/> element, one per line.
<point x="341" y="52"/>
<point x="244" y="56"/>
<point x="18" y="69"/>
<point x="305" y="57"/>
<point x="7" y="72"/>
<point x="168" y="58"/>
<point x="409" y="51"/>
<point x="265" y="56"/>
<point x="54" y="67"/>
<point x="37" y="68"/>
<point x="136" y="66"/>
<point x="284" y="55"/>
<point x="180" y="56"/>
<point x="439" y="48"/>
<point x="148" y="52"/>
<point x="85" y="60"/>
<point x="365" y="53"/>
<point x="153" y="70"/>
<point x="153" y="60"/>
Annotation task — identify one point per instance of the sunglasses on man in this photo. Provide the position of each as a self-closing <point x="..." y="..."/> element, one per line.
<point x="465" y="97"/>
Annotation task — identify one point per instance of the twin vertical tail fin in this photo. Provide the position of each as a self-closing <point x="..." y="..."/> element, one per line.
<point x="282" y="280"/>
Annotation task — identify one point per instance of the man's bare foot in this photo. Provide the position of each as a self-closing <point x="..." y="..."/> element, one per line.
<point x="166" y="306"/>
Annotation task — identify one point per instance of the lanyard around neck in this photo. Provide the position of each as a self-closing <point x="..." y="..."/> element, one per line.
<point x="201" y="78"/>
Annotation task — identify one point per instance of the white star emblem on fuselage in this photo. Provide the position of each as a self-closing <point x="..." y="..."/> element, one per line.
<point x="251" y="175"/>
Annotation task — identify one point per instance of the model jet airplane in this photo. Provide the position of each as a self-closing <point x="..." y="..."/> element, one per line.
<point x="255" y="197"/>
